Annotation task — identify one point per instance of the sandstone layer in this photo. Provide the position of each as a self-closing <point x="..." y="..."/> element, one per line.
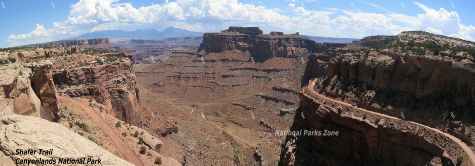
<point x="84" y="89"/>
<point x="391" y="98"/>
<point x="366" y="137"/>
<point x="22" y="132"/>
<point x="397" y="80"/>
<point x="223" y="104"/>
<point x="104" y="75"/>
<point x="28" y="89"/>
<point x="260" y="46"/>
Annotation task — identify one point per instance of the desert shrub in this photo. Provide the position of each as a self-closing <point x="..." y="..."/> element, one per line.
<point x="140" y="141"/>
<point x="142" y="150"/>
<point x="82" y="125"/>
<point x="158" y="161"/>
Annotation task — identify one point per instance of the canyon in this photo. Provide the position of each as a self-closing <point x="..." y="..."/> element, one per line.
<point x="243" y="97"/>
<point x="392" y="101"/>
<point x="226" y="103"/>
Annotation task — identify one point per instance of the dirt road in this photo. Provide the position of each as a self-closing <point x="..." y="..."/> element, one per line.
<point x="469" y="155"/>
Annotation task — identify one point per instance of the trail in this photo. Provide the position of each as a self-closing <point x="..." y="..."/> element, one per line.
<point x="312" y="94"/>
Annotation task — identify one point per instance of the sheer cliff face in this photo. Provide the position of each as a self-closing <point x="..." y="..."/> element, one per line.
<point x="36" y="82"/>
<point x="228" y="85"/>
<point x="260" y="46"/>
<point x="360" y="141"/>
<point x="402" y="81"/>
<point x="109" y="79"/>
<point x="396" y="78"/>
<point x="413" y="76"/>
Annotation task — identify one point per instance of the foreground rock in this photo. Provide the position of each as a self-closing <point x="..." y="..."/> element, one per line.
<point x="94" y="89"/>
<point x="99" y="73"/>
<point x="27" y="89"/>
<point x="22" y="132"/>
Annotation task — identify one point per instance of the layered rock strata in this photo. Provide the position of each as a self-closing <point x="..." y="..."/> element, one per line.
<point x="367" y="138"/>
<point x="110" y="80"/>
<point x="389" y="97"/>
<point x="260" y="46"/>
<point x="397" y="80"/>
<point x="37" y="82"/>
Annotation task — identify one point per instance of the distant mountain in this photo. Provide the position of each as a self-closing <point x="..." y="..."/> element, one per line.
<point x="320" y="39"/>
<point x="145" y="34"/>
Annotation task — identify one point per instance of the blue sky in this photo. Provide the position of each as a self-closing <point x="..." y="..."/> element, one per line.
<point x="32" y="21"/>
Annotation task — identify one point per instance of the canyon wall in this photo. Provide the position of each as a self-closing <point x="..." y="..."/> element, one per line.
<point x="417" y="80"/>
<point x="396" y="78"/>
<point x="36" y="77"/>
<point x="105" y="76"/>
<point x="28" y="89"/>
<point x="364" y="137"/>
<point x="260" y="46"/>
<point x="108" y="78"/>
<point x="238" y="90"/>
<point x="86" y="95"/>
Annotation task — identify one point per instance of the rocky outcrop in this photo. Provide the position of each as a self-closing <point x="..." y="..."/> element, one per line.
<point x="396" y="79"/>
<point x="344" y="134"/>
<point x="108" y="78"/>
<point x="43" y="85"/>
<point x="422" y="81"/>
<point x="36" y="82"/>
<point x="28" y="89"/>
<point x="390" y="98"/>
<point x="52" y="143"/>
<point x="71" y="43"/>
<point x="260" y="46"/>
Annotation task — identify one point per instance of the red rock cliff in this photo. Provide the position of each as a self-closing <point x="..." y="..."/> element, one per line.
<point x="108" y="78"/>
<point x="261" y="46"/>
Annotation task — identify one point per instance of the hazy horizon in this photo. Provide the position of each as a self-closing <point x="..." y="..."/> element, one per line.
<point x="58" y="20"/>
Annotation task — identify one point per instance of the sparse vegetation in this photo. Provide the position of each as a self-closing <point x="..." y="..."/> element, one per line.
<point x="158" y="161"/>
<point x="143" y="150"/>
<point x="82" y="126"/>
<point x="140" y="142"/>
<point x="92" y="139"/>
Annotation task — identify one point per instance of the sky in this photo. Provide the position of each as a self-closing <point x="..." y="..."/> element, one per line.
<point x="33" y="21"/>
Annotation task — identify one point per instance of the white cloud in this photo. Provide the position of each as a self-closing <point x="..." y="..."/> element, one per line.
<point x="214" y="15"/>
<point x="39" y="32"/>
<point x="439" y="21"/>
